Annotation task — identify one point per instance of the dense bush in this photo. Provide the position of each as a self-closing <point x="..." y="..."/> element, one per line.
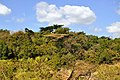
<point x="59" y="42"/>
<point x="27" y="55"/>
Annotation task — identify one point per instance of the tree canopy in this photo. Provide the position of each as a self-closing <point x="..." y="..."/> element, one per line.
<point x="78" y="44"/>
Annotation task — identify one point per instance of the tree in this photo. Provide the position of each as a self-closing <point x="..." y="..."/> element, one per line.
<point x="62" y="30"/>
<point x="57" y="26"/>
<point x="3" y="50"/>
<point x="4" y="34"/>
<point x="29" y="32"/>
<point x="50" y="28"/>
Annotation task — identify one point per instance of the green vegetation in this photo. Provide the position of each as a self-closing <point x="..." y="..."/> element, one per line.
<point x="56" y="53"/>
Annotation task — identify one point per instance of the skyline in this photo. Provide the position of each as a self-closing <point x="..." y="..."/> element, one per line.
<point x="100" y="18"/>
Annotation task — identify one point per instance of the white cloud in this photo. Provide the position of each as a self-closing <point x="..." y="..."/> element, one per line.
<point x="114" y="28"/>
<point x="20" y="20"/>
<point x="4" y="10"/>
<point x="96" y="29"/>
<point x="64" y="15"/>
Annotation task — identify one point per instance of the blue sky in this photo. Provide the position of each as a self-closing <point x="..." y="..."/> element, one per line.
<point x="22" y="14"/>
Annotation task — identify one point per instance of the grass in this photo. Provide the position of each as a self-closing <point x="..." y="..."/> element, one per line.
<point x="31" y="69"/>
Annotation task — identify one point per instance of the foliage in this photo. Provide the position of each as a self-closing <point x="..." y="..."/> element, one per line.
<point x="31" y="44"/>
<point x="38" y="55"/>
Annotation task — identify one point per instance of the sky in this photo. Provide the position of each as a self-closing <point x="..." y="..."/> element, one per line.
<point x="94" y="17"/>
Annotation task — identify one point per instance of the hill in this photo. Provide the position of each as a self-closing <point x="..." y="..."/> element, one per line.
<point x="55" y="53"/>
